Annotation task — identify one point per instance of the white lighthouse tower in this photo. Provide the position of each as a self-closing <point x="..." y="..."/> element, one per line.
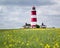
<point x="33" y="17"/>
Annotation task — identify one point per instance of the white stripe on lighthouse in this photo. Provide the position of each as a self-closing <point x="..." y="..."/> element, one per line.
<point x="33" y="16"/>
<point x="33" y="23"/>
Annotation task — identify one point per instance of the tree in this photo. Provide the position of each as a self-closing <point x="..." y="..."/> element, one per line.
<point x="37" y="26"/>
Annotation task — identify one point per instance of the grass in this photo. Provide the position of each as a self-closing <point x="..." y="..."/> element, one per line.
<point x="30" y="38"/>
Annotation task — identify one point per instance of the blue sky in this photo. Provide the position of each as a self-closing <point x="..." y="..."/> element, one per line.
<point x="14" y="13"/>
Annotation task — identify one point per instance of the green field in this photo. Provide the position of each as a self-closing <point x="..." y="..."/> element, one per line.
<point x="30" y="38"/>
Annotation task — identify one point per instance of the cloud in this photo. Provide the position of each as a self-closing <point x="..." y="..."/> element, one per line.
<point x="26" y="2"/>
<point x="13" y="16"/>
<point x="49" y="10"/>
<point x="50" y="15"/>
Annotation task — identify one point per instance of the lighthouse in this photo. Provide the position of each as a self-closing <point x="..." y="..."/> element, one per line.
<point x="33" y="17"/>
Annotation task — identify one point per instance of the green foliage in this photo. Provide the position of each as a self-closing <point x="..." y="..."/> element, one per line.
<point x="37" y="26"/>
<point x="30" y="38"/>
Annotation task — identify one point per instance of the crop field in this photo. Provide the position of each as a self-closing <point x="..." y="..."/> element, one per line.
<point x="30" y="38"/>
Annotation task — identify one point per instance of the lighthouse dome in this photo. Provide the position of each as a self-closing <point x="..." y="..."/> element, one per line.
<point x="33" y="7"/>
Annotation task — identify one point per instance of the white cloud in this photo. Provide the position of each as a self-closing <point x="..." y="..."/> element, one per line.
<point x="48" y="10"/>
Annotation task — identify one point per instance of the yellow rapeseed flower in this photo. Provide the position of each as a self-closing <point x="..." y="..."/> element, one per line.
<point x="22" y="43"/>
<point x="27" y="44"/>
<point x="4" y="43"/>
<point x="47" y="46"/>
<point x="56" y="45"/>
<point x="8" y="35"/>
<point x="10" y="45"/>
<point x="41" y="44"/>
<point x="28" y="41"/>
<point x="19" y="41"/>
<point x="37" y="39"/>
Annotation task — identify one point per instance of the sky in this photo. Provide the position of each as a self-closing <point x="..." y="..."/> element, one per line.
<point x="15" y="13"/>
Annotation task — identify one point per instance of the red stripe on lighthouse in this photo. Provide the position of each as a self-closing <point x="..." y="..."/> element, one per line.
<point x="33" y="19"/>
<point x="33" y="12"/>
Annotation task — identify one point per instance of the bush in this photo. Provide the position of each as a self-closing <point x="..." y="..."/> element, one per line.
<point x="37" y="26"/>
